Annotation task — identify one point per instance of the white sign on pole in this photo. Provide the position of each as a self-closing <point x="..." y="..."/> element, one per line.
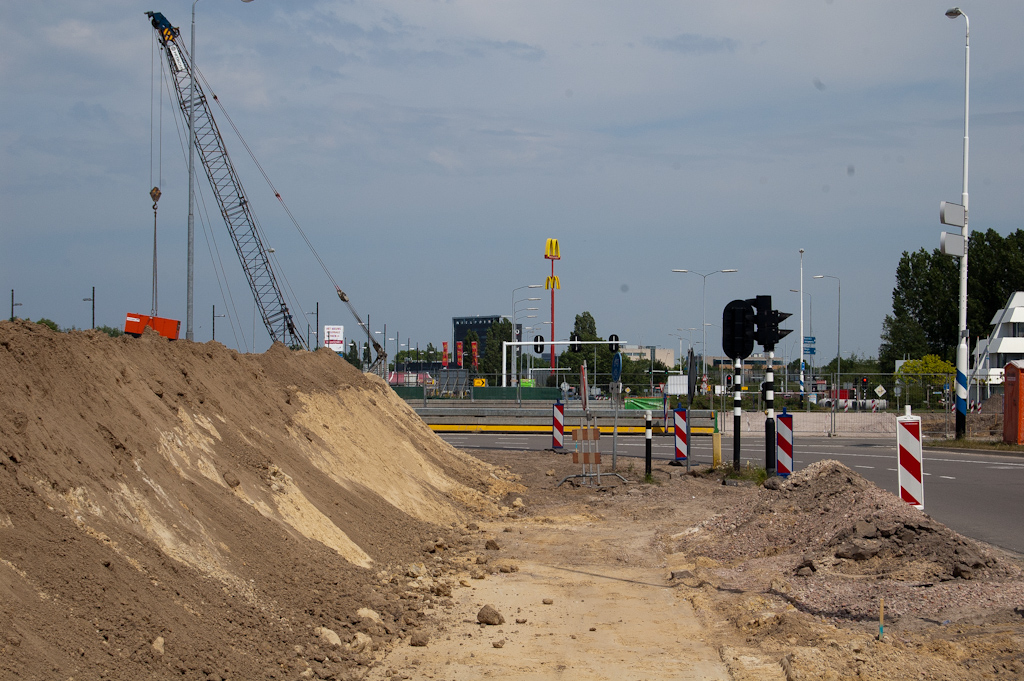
<point x="334" y="337"/>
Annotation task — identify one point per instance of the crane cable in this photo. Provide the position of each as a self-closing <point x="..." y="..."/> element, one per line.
<point x="341" y="294"/>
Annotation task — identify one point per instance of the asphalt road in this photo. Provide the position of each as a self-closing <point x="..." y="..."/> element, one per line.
<point x="979" y="495"/>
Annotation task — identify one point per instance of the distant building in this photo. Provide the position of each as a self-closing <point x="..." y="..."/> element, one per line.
<point x="1004" y="345"/>
<point x="666" y="356"/>
<point x="481" y="324"/>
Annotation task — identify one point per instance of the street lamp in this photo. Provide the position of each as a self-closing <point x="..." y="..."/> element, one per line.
<point x="191" y="172"/>
<point x="214" y="324"/>
<point x="961" y="349"/>
<point x="801" y="339"/>
<point x="93" y="301"/>
<point x="13" y="304"/>
<point x="839" y="331"/>
<point x="518" y="288"/>
<point x="704" y="342"/>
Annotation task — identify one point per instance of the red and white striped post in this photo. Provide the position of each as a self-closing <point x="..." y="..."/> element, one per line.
<point x="682" y="444"/>
<point x="911" y="474"/>
<point x="784" y="444"/>
<point x="557" y="425"/>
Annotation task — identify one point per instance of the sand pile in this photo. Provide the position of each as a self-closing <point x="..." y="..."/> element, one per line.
<point x="171" y="509"/>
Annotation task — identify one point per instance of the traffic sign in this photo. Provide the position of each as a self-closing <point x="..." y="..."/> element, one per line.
<point x="808" y="351"/>
<point x="809" y="340"/>
<point x="616" y="367"/>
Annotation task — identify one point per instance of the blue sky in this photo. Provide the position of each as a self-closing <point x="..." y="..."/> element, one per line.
<point x="428" y="149"/>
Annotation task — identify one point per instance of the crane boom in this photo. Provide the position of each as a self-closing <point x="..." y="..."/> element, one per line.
<point x="231" y="198"/>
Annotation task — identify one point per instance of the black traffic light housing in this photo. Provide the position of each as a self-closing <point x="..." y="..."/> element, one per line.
<point x="538" y="344"/>
<point x="613" y="343"/>
<point x="575" y="345"/>
<point x="768" y="333"/>
<point x="738" y="329"/>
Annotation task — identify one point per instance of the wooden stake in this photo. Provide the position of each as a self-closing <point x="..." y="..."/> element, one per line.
<point x="881" y="618"/>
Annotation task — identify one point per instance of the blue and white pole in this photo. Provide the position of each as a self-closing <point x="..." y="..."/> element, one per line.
<point x="961" y="349"/>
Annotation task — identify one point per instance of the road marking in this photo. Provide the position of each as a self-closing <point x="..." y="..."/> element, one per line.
<point x="947" y="477"/>
<point x="871" y="467"/>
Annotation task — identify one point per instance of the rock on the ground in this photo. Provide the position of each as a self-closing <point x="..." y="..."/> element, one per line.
<point x="419" y="639"/>
<point x="492" y="545"/>
<point x="328" y="636"/>
<point x="360" y="642"/>
<point x="488" y="615"/>
<point x="158" y="645"/>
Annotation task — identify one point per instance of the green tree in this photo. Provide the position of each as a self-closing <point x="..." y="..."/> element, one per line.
<point x="352" y="356"/>
<point x="925" y="301"/>
<point x="49" y="323"/>
<point x="110" y="331"/>
<point x="490" y="363"/>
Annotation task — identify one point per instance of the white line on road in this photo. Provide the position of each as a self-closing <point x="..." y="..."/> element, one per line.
<point x="947" y="477"/>
<point x="870" y="467"/>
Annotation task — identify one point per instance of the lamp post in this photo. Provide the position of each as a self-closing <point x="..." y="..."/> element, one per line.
<point x="961" y="348"/>
<point x="704" y="341"/>
<point x="191" y="173"/>
<point x="801" y="339"/>
<point x="89" y="300"/>
<point x="213" y="326"/>
<point x="810" y="322"/>
<point x="518" y="288"/>
<point x="839" y="332"/>
<point x="13" y="304"/>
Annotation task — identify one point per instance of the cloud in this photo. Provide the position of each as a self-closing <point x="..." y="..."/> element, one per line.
<point x="691" y="43"/>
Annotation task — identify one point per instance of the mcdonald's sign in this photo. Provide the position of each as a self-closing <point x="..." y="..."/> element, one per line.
<point x="551" y="251"/>
<point x="552" y="283"/>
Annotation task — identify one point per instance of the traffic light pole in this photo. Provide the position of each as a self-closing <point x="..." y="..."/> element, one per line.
<point x="769" y="424"/>
<point x="737" y="412"/>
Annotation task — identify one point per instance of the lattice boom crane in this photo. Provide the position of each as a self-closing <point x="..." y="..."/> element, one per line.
<point x="231" y="199"/>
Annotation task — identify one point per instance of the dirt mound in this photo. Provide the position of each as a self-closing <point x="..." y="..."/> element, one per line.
<point x="832" y="543"/>
<point x="179" y="509"/>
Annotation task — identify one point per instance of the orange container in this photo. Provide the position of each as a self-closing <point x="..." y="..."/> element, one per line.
<point x="134" y="324"/>
<point x="1013" y="403"/>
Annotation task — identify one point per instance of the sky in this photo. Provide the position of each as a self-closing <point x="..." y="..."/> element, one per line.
<point x="429" y="149"/>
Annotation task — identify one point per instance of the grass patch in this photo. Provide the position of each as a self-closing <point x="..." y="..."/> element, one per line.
<point x="755" y="474"/>
<point x="985" y="445"/>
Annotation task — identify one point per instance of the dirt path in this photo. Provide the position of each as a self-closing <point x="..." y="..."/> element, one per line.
<point x="617" y="620"/>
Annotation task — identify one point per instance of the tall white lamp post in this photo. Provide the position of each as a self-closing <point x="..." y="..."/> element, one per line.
<point x="703" y="296"/>
<point x="961" y="348"/>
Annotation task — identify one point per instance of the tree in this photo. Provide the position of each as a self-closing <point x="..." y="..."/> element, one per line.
<point x="926" y="299"/>
<point x="110" y="331"/>
<point x="352" y="356"/>
<point x="49" y="323"/>
<point x="501" y="330"/>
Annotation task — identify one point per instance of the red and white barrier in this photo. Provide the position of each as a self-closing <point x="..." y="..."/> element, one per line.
<point x="682" y="444"/>
<point x="784" y="444"/>
<point x="911" y="474"/>
<point x="557" y="425"/>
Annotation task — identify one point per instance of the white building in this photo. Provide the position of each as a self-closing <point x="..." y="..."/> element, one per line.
<point x="636" y="352"/>
<point x="1005" y="344"/>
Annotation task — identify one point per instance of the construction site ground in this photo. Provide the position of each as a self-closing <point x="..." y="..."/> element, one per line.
<point x="178" y="510"/>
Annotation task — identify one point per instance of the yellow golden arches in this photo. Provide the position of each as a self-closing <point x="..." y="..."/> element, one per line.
<point x="552" y="283"/>
<point x="551" y="251"/>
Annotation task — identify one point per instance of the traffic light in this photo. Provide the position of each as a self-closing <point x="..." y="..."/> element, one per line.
<point x="768" y="333"/>
<point x="613" y="343"/>
<point x="538" y="344"/>
<point x="728" y="381"/>
<point x="864" y="381"/>
<point x="575" y="345"/>
<point x="761" y="320"/>
<point x="738" y="329"/>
